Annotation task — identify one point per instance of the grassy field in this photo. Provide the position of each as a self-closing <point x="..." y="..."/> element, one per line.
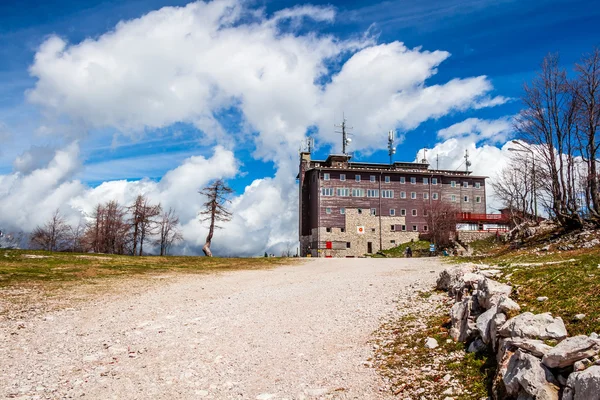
<point x="420" y="246"/>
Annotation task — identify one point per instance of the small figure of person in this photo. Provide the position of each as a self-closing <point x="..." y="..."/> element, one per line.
<point x="408" y="252"/>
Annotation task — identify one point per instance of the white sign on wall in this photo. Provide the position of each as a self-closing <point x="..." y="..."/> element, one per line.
<point x="360" y="229"/>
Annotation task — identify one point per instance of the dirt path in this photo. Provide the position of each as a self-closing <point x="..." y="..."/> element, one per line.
<point x="295" y="332"/>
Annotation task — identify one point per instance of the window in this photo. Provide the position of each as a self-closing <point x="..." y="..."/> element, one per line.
<point x="392" y="212"/>
<point x="342" y="230"/>
<point x="426" y="195"/>
<point x="373" y="211"/>
<point x="328" y="229"/>
<point x="477" y="199"/>
<point x="452" y="183"/>
<point x="477" y="185"/>
<point x="357" y="177"/>
<point x="403" y="212"/>
<point x="392" y="241"/>
<point x="425" y="228"/>
<point x="326" y="176"/>
<point x="372" y="178"/>
<point x="402" y="195"/>
<point x="327" y="191"/>
<point x="373" y="193"/>
<point x="372" y="229"/>
<point x="347" y="245"/>
<point x="387" y="194"/>
<point x="387" y="179"/>
<point x="358" y="192"/>
<point x="434" y="196"/>
<point x="466" y="199"/>
<point x="403" y="227"/>
<point x="342" y="177"/>
<point x="425" y="181"/>
<point x="466" y="184"/>
<point x="414" y="212"/>
<point x="392" y="228"/>
<point x="413" y="180"/>
<point x="414" y="228"/>
<point x="434" y="181"/>
<point x="359" y="210"/>
<point x="402" y="179"/>
<point x="343" y="192"/>
<point x="413" y="195"/>
<point x="453" y="198"/>
<point x="342" y="211"/>
<point x="328" y="210"/>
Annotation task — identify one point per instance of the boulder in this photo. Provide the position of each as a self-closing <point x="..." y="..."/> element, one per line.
<point x="584" y="385"/>
<point x="431" y="343"/>
<point x="476" y="346"/>
<point x="462" y="315"/>
<point x="495" y="324"/>
<point x="570" y="350"/>
<point x="508" y="306"/>
<point x="533" y="346"/>
<point x="534" y="326"/>
<point x="526" y="373"/>
<point x="491" y="292"/>
<point x="449" y="277"/>
<point x="483" y="324"/>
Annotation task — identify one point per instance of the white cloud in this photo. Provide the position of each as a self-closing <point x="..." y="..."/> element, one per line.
<point x="496" y="131"/>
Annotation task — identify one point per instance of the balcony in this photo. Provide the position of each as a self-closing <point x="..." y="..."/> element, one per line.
<point x="482" y="218"/>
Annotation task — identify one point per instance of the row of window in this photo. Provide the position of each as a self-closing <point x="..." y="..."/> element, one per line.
<point x="329" y="210"/>
<point x="386" y="194"/>
<point x="413" y="180"/>
<point x="392" y="228"/>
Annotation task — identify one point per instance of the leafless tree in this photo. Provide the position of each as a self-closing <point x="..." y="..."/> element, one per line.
<point x="107" y="232"/>
<point x="214" y="210"/>
<point x="168" y="231"/>
<point x="549" y="123"/>
<point x="143" y="222"/>
<point x="75" y="237"/>
<point x="515" y="187"/>
<point x="441" y="221"/>
<point x="53" y="235"/>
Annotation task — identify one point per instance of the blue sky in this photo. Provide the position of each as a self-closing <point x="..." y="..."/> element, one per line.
<point x="503" y="40"/>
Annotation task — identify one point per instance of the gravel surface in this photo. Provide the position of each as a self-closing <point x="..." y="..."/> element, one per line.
<point x="294" y="332"/>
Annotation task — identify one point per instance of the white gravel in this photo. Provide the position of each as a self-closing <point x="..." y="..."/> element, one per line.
<point x="295" y="332"/>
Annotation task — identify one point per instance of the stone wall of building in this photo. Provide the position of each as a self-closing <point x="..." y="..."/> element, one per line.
<point x="471" y="236"/>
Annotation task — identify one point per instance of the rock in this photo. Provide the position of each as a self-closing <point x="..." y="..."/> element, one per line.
<point x="570" y="350"/>
<point x="495" y="324"/>
<point x="579" y="317"/>
<point x="534" y="326"/>
<point x="490" y="273"/>
<point x="451" y="276"/>
<point x="533" y="346"/>
<point x="526" y="373"/>
<point x="584" y="385"/>
<point x="594" y="335"/>
<point x="542" y="298"/>
<point x="460" y="314"/>
<point x="265" y="396"/>
<point x="483" y="324"/>
<point x="508" y="306"/>
<point x="491" y="292"/>
<point x="476" y="346"/>
<point x="581" y="364"/>
<point x="431" y="343"/>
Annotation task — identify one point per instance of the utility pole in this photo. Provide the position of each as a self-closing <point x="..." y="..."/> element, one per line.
<point x="391" y="148"/>
<point x="345" y="139"/>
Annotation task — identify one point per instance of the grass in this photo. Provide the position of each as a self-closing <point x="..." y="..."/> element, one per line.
<point x="398" y="251"/>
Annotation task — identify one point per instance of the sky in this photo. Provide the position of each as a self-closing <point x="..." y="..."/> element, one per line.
<point x="104" y="100"/>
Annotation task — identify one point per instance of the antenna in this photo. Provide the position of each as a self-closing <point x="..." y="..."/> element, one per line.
<point x="424" y="160"/>
<point x="307" y="145"/>
<point x="345" y="139"/>
<point x="437" y="161"/>
<point x="467" y="162"/>
<point x="391" y="148"/>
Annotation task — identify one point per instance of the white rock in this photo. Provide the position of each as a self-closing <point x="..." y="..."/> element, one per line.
<point x="483" y="324"/>
<point x="508" y="306"/>
<point x="476" y="346"/>
<point x="542" y="298"/>
<point x="533" y="346"/>
<point x="495" y="324"/>
<point x="579" y="316"/>
<point x="451" y="276"/>
<point x="570" y="350"/>
<point x="534" y="326"/>
<point x="594" y="335"/>
<point x="491" y="292"/>
<point x="584" y="385"/>
<point x="265" y="396"/>
<point x="431" y="343"/>
<point x="526" y="373"/>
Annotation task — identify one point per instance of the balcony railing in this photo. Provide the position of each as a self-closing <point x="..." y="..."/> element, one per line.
<point x="471" y="217"/>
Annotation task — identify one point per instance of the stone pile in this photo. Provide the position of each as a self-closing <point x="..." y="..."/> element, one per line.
<point x="536" y="358"/>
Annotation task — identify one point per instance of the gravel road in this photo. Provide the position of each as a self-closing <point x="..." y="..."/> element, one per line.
<point x="294" y="332"/>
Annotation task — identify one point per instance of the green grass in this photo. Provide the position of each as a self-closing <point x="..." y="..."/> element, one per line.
<point x="398" y="251"/>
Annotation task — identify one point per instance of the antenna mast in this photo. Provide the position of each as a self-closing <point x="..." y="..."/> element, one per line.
<point x="391" y="148"/>
<point x="467" y="162"/>
<point x="437" y="161"/>
<point x="424" y="160"/>
<point x="345" y="139"/>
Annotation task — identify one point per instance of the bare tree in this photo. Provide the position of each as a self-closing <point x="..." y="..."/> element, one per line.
<point x="143" y="221"/>
<point x="168" y="231"/>
<point x="75" y="235"/>
<point x="515" y="188"/>
<point x="107" y="232"/>
<point x="53" y="235"/>
<point x="441" y="221"/>
<point x="214" y="210"/>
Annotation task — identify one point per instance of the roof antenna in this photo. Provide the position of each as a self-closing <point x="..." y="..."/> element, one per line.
<point x="391" y="148"/>
<point x="345" y="139"/>
<point x="307" y="145"/>
<point x="437" y="162"/>
<point x="424" y="160"/>
<point x="467" y="162"/>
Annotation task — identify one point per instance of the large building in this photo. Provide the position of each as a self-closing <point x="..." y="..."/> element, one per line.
<point x="349" y="209"/>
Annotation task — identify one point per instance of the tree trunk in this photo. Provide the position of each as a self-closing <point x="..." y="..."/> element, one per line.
<point x="211" y="230"/>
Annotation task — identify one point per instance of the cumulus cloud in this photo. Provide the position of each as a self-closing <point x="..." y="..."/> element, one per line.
<point x="496" y="131"/>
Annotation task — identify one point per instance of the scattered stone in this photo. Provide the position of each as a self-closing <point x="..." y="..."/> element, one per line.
<point x="490" y="273"/>
<point x="534" y="326"/>
<point x="431" y="343"/>
<point x="451" y="276"/>
<point x="584" y="385"/>
<point x="570" y="350"/>
<point x="579" y="317"/>
<point x="542" y="298"/>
